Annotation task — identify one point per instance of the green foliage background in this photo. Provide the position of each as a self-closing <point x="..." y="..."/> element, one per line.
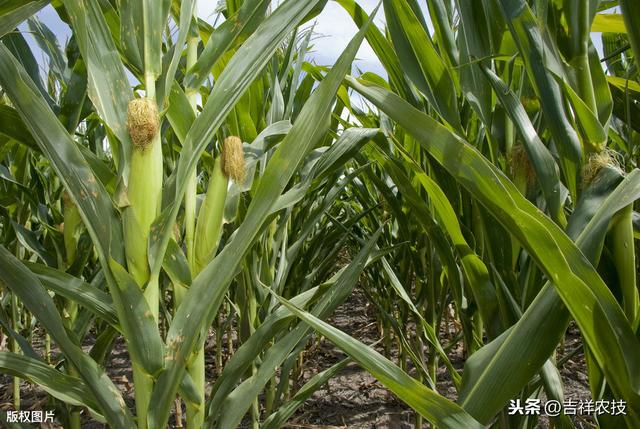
<point x="489" y="182"/>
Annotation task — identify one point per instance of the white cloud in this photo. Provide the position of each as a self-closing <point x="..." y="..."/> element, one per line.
<point x="206" y="9"/>
<point x="333" y="29"/>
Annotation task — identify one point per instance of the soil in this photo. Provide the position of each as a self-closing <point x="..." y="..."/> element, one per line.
<point x="353" y="399"/>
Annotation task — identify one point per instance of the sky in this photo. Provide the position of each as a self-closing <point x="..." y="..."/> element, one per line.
<point x="334" y="29"/>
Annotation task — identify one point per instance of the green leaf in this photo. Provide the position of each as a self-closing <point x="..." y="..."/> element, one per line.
<point x="29" y="240"/>
<point x="11" y="126"/>
<point x="443" y="30"/>
<point x="131" y="38"/>
<point x="631" y="14"/>
<point x="624" y="84"/>
<point x="108" y="84"/>
<point x="523" y="349"/>
<point x="66" y="388"/>
<point x="247" y="17"/>
<point x="594" y="135"/>
<point x="421" y="61"/>
<point x="438" y="410"/>
<point x="15" y="276"/>
<point x="47" y="41"/>
<point x="22" y="52"/>
<point x="176" y="265"/>
<point x="74" y="289"/>
<point x="22" y="342"/>
<point x="474" y="41"/>
<point x="74" y="100"/>
<point x="584" y="293"/>
<point x="14" y="12"/>
<point x="187" y="9"/>
<point x="608" y="23"/>
<point x="154" y="18"/>
<point x="179" y="112"/>
<point x="543" y="163"/>
<point x="142" y="334"/>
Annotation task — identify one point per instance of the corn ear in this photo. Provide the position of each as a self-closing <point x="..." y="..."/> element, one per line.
<point x="145" y="197"/>
<point x="145" y="185"/>
<point x="624" y="254"/>
<point x="230" y="165"/>
<point x="210" y="217"/>
<point x="72" y="228"/>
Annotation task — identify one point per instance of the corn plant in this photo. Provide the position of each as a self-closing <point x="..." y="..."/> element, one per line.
<point x="129" y="212"/>
<point x="492" y="126"/>
<point x="172" y="180"/>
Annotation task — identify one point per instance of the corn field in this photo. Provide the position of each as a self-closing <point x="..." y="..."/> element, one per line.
<point x="204" y="197"/>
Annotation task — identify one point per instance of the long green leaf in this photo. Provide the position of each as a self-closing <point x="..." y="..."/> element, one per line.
<point x="631" y="15"/>
<point x="187" y="8"/>
<point x="248" y="16"/>
<point x="143" y="338"/>
<point x="421" y="61"/>
<point x="74" y="289"/>
<point x="154" y="20"/>
<point x="543" y="163"/>
<point x="13" y="12"/>
<point x="66" y="388"/>
<point x="130" y="36"/>
<point x="474" y="52"/>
